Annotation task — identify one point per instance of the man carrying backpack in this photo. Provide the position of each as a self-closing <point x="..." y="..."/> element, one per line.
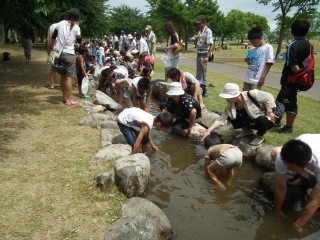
<point x="297" y="52"/>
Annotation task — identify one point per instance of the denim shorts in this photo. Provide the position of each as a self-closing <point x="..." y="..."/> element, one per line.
<point x="174" y="63"/>
<point x="128" y="134"/>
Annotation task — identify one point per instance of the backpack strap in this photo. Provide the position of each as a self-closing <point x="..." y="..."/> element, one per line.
<point x="255" y="102"/>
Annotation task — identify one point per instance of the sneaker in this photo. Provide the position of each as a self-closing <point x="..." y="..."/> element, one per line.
<point x="257" y="142"/>
<point x="284" y="129"/>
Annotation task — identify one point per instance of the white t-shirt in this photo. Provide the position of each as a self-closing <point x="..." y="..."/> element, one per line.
<point x="133" y="117"/>
<point x="204" y="43"/>
<point x="143" y="46"/>
<point x="135" y="83"/>
<point x="121" y="72"/>
<point x="313" y="141"/>
<point x="257" y="65"/>
<point x="63" y="30"/>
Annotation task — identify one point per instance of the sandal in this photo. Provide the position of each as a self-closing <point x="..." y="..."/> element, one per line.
<point x="211" y="85"/>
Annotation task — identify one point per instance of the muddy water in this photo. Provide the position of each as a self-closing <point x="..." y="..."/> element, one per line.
<point x="194" y="206"/>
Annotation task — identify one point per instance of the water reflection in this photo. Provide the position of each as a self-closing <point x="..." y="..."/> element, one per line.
<point x="194" y="206"/>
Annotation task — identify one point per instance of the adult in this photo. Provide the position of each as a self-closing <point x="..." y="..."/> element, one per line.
<point x="204" y="42"/>
<point x="65" y="35"/>
<point x="27" y="38"/>
<point x="116" y="42"/>
<point x="151" y="41"/>
<point x="188" y="80"/>
<point x="132" y="43"/>
<point x="172" y="43"/>
<point x="299" y="50"/>
<point x="142" y="44"/>
<point x="241" y="112"/>
<point x="124" y="40"/>
<point x="297" y="155"/>
<point x="94" y="49"/>
<point x="182" y="106"/>
<point x="49" y="37"/>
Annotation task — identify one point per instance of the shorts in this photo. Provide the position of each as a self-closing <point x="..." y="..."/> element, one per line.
<point x="128" y="134"/>
<point x="250" y="86"/>
<point x="174" y="63"/>
<point x="27" y="45"/>
<point x="288" y="96"/>
<point x="80" y="77"/>
<point x="68" y="61"/>
<point x="54" y="69"/>
<point x="230" y="158"/>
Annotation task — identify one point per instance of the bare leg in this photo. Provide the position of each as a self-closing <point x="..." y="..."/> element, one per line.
<point x="145" y="148"/>
<point x="52" y="79"/>
<point x="290" y="119"/>
<point x="214" y="166"/>
<point x="63" y="88"/>
<point x="230" y="174"/>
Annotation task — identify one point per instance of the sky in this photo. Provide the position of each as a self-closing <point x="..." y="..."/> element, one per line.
<point x="225" y="6"/>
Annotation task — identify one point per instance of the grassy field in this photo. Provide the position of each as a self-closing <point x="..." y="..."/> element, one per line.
<point x="236" y="55"/>
<point x="47" y="188"/>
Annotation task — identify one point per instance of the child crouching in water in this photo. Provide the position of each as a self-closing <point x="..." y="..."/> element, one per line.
<point x="224" y="156"/>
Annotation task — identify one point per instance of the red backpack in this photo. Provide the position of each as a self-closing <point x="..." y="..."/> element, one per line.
<point x="303" y="79"/>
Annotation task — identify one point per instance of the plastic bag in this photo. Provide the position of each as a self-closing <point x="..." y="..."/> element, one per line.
<point x="96" y="71"/>
<point x="166" y="61"/>
<point x="85" y="85"/>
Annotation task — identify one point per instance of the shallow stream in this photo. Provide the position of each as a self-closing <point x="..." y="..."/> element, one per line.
<point x="197" y="209"/>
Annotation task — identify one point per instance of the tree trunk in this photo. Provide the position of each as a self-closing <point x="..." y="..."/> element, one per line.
<point x="6" y="34"/>
<point x="281" y="32"/>
<point x="186" y="40"/>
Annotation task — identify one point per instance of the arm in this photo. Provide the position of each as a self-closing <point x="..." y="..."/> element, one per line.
<point x="213" y="127"/>
<point x="307" y="211"/>
<point x="295" y="68"/>
<point x="192" y="117"/>
<point x="154" y="147"/>
<point x="83" y="70"/>
<point x="144" y="131"/>
<point x="280" y="193"/>
<point x="206" y="164"/>
<point x="209" y="52"/>
<point x="264" y="74"/>
<point x="48" y="42"/>
<point x="134" y="96"/>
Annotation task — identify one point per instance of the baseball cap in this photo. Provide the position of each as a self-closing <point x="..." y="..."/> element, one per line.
<point x="200" y="19"/>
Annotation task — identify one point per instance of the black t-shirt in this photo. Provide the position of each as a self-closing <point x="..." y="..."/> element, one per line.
<point x="174" y="39"/>
<point x="297" y="52"/>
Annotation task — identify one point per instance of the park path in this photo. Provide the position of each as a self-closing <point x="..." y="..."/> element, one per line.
<point x="272" y="80"/>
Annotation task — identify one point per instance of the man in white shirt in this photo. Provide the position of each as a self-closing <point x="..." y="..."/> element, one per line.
<point x="297" y="155"/>
<point x="151" y="41"/>
<point x="143" y="46"/>
<point x="116" y="43"/>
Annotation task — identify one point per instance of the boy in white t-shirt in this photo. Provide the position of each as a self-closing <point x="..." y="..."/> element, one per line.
<point x="135" y="121"/>
<point x="259" y="59"/>
<point x="297" y="155"/>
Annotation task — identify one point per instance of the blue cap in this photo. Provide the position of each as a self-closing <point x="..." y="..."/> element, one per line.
<point x="121" y="31"/>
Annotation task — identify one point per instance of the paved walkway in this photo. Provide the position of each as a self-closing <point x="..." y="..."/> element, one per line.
<point x="272" y="80"/>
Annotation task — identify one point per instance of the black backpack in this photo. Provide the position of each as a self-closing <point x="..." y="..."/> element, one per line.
<point x="6" y="56"/>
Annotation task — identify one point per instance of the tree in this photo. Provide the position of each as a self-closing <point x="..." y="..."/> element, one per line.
<point x="297" y="8"/>
<point x="184" y="13"/>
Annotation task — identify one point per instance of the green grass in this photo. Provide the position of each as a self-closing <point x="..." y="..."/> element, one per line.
<point x="236" y="55"/>
<point x="306" y="121"/>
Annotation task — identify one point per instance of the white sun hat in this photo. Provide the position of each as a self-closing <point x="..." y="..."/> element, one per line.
<point x="175" y="89"/>
<point x="230" y="90"/>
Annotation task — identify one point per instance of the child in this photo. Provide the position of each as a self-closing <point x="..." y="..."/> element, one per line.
<point x="128" y="65"/>
<point x="259" y="59"/>
<point x="138" y="122"/>
<point x="224" y="156"/>
<point x="141" y="92"/>
<point x="80" y="67"/>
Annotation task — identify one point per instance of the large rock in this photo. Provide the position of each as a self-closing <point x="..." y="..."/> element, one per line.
<point x="111" y="152"/>
<point x="132" y="174"/>
<point x="96" y="109"/>
<point x="207" y="118"/>
<point x="100" y="119"/>
<point x="105" y="181"/>
<point x="142" y="219"/>
<point x="196" y="132"/>
<point x="159" y="90"/>
<point x="100" y="98"/>
<point x="268" y="181"/>
<point x="248" y="150"/>
<point x="113" y="135"/>
<point x="86" y="104"/>
<point x="263" y="158"/>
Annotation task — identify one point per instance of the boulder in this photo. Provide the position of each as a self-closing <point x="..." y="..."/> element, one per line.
<point x="196" y="132"/>
<point x="100" y="98"/>
<point x="225" y="130"/>
<point x="263" y="158"/>
<point x="101" y="119"/>
<point x="109" y="125"/>
<point x="141" y="219"/>
<point x="207" y="118"/>
<point x="86" y="104"/>
<point x="248" y="150"/>
<point x="132" y="174"/>
<point x="111" y="152"/>
<point x="113" y="135"/>
<point x="105" y="180"/>
<point x="159" y="90"/>
<point x="96" y="109"/>
<point x="268" y="181"/>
